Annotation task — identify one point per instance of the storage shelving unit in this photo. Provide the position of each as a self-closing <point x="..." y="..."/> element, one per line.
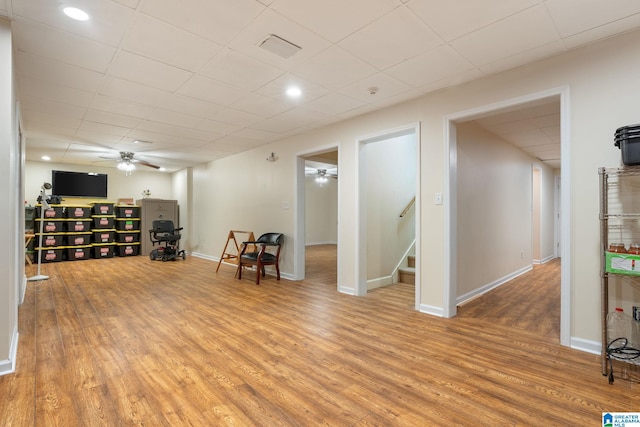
<point x="619" y="223"/>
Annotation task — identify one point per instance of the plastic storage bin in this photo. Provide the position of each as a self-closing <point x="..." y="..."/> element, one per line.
<point x="128" y="249"/>
<point x="78" y="211"/>
<point x="52" y="254"/>
<point x="128" y="224"/>
<point x="103" y="250"/>
<point x="78" y="239"/>
<point x="79" y="226"/>
<point x="50" y="225"/>
<point x="103" y="221"/>
<point x="75" y="253"/>
<point x="127" y="211"/>
<point x="127" y="236"/>
<point x="102" y="208"/>
<point x="104" y="236"/>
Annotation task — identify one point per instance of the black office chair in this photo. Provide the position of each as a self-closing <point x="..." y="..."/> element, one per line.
<point x="262" y="256"/>
<point x="167" y="238"/>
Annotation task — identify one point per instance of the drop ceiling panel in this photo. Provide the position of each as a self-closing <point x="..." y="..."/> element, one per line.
<point x="109" y="118"/>
<point x="62" y="110"/>
<point x="239" y="70"/>
<point x="169" y="117"/>
<point x="187" y="105"/>
<point x="607" y="30"/>
<point x="65" y="47"/>
<point x="522" y="58"/>
<point x="136" y="68"/>
<point x="172" y="130"/>
<point x="44" y="122"/>
<point x="136" y="93"/>
<point x="593" y="13"/>
<point x="430" y="67"/>
<point x="270" y="22"/>
<point x="261" y="105"/>
<point x="386" y="86"/>
<point x="59" y="73"/>
<point x="334" y="19"/>
<point x="277" y="89"/>
<point x="527" y="30"/>
<point x="334" y="69"/>
<point x="335" y="104"/>
<point x="216" y="20"/>
<point x="108" y="20"/>
<point x="235" y="116"/>
<point x="208" y="90"/>
<point x="455" y="18"/>
<point x="411" y="37"/>
<point x="166" y="43"/>
<point x="217" y="129"/>
<point x="113" y="105"/>
<point x="39" y="89"/>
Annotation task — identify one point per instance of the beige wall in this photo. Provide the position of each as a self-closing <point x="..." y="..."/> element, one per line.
<point x="390" y="186"/>
<point x="495" y="214"/>
<point x="321" y="211"/>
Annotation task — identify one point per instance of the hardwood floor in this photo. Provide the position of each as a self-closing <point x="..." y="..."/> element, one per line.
<point x="129" y="341"/>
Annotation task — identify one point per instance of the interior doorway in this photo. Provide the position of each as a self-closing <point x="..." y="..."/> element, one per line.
<point x="365" y="255"/>
<point x="557" y="96"/>
<point x="316" y="250"/>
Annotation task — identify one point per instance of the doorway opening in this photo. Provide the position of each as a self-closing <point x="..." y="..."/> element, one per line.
<point x="384" y="192"/>
<point x="554" y="160"/>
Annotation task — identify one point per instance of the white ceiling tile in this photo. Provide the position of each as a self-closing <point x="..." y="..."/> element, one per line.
<point x="211" y="19"/>
<point x="607" y="30"/>
<point x="430" y="67"/>
<point x="173" y="130"/>
<point x="335" y="104"/>
<point x="334" y="19"/>
<point x="523" y="58"/>
<point x="270" y="22"/>
<point x="47" y="90"/>
<point x="107" y="24"/>
<point x="214" y="127"/>
<point x="89" y="126"/>
<point x="233" y="116"/>
<point x="114" y="119"/>
<point x="278" y="87"/>
<point x="237" y="69"/>
<point x="166" y="43"/>
<point x="592" y="13"/>
<point x="187" y="105"/>
<point x="32" y="103"/>
<point x="396" y="37"/>
<point x="39" y="120"/>
<point x="383" y="84"/>
<point x="59" y="73"/>
<point x="454" y="18"/>
<point x="258" y="135"/>
<point x="136" y="68"/>
<point x="66" y="47"/>
<point x="113" y="105"/>
<point x="261" y="105"/>
<point x="173" y="118"/>
<point x="130" y="91"/>
<point x="334" y="69"/>
<point x="527" y="30"/>
<point x="208" y="90"/>
<point x="129" y="3"/>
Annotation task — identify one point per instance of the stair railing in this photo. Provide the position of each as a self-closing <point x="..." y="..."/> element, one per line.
<point x="409" y="205"/>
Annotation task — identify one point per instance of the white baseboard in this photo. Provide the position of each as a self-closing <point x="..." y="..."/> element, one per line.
<point x="587" y="346"/>
<point x="347" y="291"/>
<point x="547" y="259"/>
<point x="320" y="243"/>
<point x="486" y="288"/>
<point x="429" y="309"/>
<point x="23" y="291"/>
<point x="379" y="282"/>
<point x="8" y="366"/>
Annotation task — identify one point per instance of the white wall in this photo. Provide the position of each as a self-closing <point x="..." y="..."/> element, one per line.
<point x="321" y="211"/>
<point x="119" y="185"/>
<point x="246" y="191"/>
<point x="182" y="191"/>
<point x="12" y="265"/>
<point x="495" y="220"/>
<point x="391" y="184"/>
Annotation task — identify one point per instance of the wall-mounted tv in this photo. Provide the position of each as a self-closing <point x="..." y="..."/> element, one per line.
<point x="79" y="184"/>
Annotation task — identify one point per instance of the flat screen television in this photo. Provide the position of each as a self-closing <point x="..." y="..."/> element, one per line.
<point x="79" y="184"/>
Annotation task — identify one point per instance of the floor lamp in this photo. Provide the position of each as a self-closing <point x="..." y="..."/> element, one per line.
<point x="43" y="207"/>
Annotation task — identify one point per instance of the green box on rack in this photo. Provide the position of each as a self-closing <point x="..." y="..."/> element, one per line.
<point x="622" y="264"/>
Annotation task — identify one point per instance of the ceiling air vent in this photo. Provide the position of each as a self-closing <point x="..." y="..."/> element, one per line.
<point x="279" y="46"/>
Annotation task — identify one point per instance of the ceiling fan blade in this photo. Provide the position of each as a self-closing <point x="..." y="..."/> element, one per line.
<point x="151" y="165"/>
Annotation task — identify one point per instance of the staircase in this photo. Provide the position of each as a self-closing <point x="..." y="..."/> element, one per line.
<point x="408" y="274"/>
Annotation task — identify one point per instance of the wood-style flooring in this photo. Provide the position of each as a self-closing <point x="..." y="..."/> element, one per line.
<point x="129" y="341"/>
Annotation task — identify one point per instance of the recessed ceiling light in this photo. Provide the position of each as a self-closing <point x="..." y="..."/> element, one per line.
<point x="45" y="158"/>
<point x="294" y="91"/>
<point x="75" y="13"/>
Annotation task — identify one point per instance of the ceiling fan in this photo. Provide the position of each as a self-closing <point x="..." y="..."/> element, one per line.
<point x="321" y="175"/>
<point x="128" y="163"/>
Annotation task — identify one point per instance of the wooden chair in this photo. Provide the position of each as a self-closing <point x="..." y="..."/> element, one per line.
<point x="261" y="256"/>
